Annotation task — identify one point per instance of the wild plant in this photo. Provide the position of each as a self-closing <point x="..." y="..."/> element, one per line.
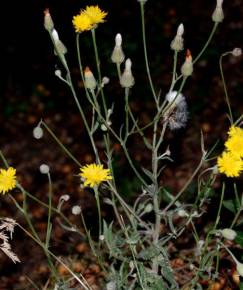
<point x="134" y="250"/>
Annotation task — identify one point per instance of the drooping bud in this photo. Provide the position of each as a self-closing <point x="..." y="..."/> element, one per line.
<point x="218" y="14"/>
<point x="187" y="67"/>
<point x="48" y="22"/>
<point x="127" y="79"/>
<point x="44" y="169"/>
<point x="105" y="81"/>
<point x="58" y="73"/>
<point x="228" y="234"/>
<point x="89" y="80"/>
<point x="118" y="54"/>
<point x="76" y="210"/>
<point x="237" y="52"/>
<point x="38" y="132"/>
<point x="177" y="42"/>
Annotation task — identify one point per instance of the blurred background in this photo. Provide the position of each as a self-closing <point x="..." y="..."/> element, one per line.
<point x="30" y="91"/>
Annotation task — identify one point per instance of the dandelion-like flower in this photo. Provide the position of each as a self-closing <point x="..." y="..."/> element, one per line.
<point x="93" y="174"/>
<point x="229" y="164"/>
<point x="95" y="14"/>
<point x="82" y="22"/>
<point x="7" y="179"/>
<point x="235" y="144"/>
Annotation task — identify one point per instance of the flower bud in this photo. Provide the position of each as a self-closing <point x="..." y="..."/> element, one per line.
<point x="187" y="67"/>
<point x="148" y="208"/>
<point x="37" y="132"/>
<point x="228" y="234"/>
<point x="60" y="47"/>
<point x="44" y="169"/>
<point x="182" y="213"/>
<point x="89" y="79"/>
<point x="48" y="22"/>
<point x="127" y="79"/>
<point x="58" y="73"/>
<point x="76" y="210"/>
<point x="105" y="81"/>
<point x="65" y="197"/>
<point x="177" y="42"/>
<point x="218" y="14"/>
<point x="118" y="54"/>
<point x="236" y="51"/>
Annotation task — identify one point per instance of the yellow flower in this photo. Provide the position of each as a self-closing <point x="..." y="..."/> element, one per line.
<point x="81" y="22"/>
<point x="7" y="179"/>
<point x="95" y="14"/>
<point x="235" y="145"/>
<point x="235" y="131"/>
<point x="94" y="174"/>
<point x="229" y="164"/>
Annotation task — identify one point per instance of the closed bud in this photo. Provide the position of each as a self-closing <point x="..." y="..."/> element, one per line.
<point x="228" y="234"/>
<point x="148" y="208"/>
<point x="48" y="22"/>
<point x="44" y="169"/>
<point x="236" y="51"/>
<point x="177" y="42"/>
<point x="218" y="14"/>
<point x="58" y="73"/>
<point x="239" y="268"/>
<point x="127" y="79"/>
<point x="76" y="210"/>
<point x="118" y="54"/>
<point x="55" y="35"/>
<point x="37" y="132"/>
<point x="187" y="67"/>
<point x="60" y="47"/>
<point x="89" y="79"/>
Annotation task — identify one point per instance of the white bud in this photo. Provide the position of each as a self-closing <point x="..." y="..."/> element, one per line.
<point x="76" y="210"/>
<point x="55" y="35"/>
<point x="182" y="213"/>
<point x="44" y="169"/>
<point x="37" y="132"/>
<point x="180" y="29"/>
<point x="65" y="197"/>
<point x="117" y="55"/>
<point x="103" y="127"/>
<point x="218" y="14"/>
<point x="101" y="237"/>
<point x="237" y="51"/>
<point x="228" y="234"/>
<point x="127" y="79"/>
<point x="177" y="42"/>
<point x="128" y="64"/>
<point x="118" y="39"/>
<point x="58" y="73"/>
<point x="105" y="80"/>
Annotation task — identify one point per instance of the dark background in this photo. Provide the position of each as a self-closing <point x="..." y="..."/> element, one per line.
<point x="30" y="91"/>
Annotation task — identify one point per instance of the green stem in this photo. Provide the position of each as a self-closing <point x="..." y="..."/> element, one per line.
<point x="64" y="148"/>
<point x="49" y="225"/>
<point x="220" y="207"/>
<point x="145" y="52"/>
<point x="98" y="67"/>
<point x="225" y="87"/>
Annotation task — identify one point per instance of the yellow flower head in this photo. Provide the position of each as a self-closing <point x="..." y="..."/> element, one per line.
<point x="235" y="131"/>
<point x="229" y="164"/>
<point x="81" y="22"/>
<point x="95" y="14"/>
<point x="94" y="174"/>
<point x="7" y="179"/>
<point x="235" y="145"/>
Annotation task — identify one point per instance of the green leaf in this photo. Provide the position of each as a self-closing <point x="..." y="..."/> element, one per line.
<point x="230" y="205"/>
<point x="239" y="238"/>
